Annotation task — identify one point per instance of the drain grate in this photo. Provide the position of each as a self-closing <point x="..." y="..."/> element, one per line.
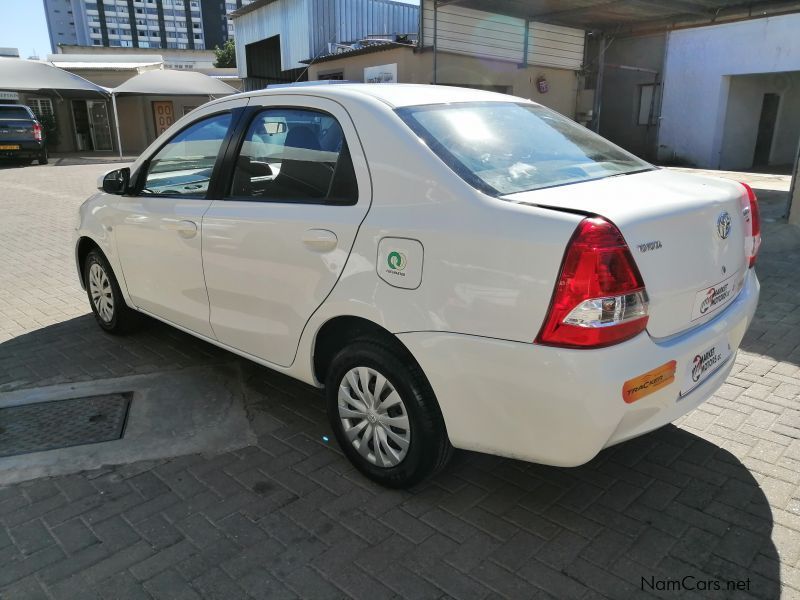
<point x="62" y="423"/>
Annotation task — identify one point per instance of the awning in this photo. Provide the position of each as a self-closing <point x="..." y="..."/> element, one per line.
<point x="627" y="16"/>
<point x="169" y="82"/>
<point x="18" y="74"/>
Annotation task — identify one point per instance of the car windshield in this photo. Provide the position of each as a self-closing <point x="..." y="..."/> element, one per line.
<point x="507" y="147"/>
<point x="14" y="112"/>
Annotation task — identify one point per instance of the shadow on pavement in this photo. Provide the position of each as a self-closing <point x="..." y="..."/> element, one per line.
<point x="668" y="512"/>
<point x="78" y="350"/>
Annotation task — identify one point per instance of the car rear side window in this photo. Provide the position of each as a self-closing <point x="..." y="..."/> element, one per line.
<point x="183" y="167"/>
<point x="294" y="155"/>
<point x="508" y="147"/>
<point x="14" y="112"/>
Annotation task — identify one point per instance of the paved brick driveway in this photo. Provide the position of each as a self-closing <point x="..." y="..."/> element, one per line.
<point x="715" y="498"/>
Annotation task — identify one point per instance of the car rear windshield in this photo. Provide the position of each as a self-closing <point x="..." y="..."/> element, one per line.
<point x="13" y="112"/>
<point x="508" y="147"/>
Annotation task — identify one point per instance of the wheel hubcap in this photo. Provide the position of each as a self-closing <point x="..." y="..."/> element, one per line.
<point x="374" y="417"/>
<point x="100" y="289"/>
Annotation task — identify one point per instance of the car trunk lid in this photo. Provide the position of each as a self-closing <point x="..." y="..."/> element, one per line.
<point x="17" y="130"/>
<point x="686" y="234"/>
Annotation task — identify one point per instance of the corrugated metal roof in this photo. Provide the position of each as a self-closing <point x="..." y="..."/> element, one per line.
<point x="103" y="66"/>
<point x="249" y="8"/>
<point x="379" y="47"/>
<point x="629" y="15"/>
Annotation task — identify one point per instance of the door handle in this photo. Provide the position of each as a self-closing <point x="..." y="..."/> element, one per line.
<point x="320" y="240"/>
<point x="185" y="229"/>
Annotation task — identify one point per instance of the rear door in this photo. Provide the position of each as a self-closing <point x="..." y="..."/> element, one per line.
<point x="297" y="192"/>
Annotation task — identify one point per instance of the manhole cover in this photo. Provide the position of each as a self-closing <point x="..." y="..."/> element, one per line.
<point x="62" y="423"/>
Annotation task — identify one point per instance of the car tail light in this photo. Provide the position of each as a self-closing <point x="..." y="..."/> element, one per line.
<point x="752" y="225"/>
<point x="600" y="298"/>
<point x="37" y="132"/>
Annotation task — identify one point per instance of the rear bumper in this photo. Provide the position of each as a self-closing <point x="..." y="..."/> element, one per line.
<point x="27" y="149"/>
<point x="560" y="406"/>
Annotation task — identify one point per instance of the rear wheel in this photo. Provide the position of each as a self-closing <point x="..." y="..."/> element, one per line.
<point x="105" y="297"/>
<point x="43" y="157"/>
<point x="385" y="416"/>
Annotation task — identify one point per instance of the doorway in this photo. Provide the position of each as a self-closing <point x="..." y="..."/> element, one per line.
<point x="92" y="125"/>
<point x="80" y="118"/>
<point x="766" y="129"/>
<point x="100" y="124"/>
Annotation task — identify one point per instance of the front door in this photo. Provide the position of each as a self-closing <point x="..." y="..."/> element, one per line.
<point x="163" y="115"/>
<point x="83" y="130"/>
<point x="275" y="247"/>
<point x="100" y="124"/>
<point x="158" y="230"/>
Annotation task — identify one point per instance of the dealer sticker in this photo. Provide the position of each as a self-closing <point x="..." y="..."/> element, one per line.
<point x="709" y="300"/>
<point x="704" y="364"/>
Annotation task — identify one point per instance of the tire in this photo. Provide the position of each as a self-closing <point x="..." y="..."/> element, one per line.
<point x="105" y="297"/>
<point x="43" y="158"/>
<point x="414" y="444"/>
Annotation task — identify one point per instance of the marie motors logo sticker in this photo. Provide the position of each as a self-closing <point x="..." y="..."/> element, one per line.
<point x="715" y="296"/>
<point x="397" y="262"/>
<point x="701" y="363"/>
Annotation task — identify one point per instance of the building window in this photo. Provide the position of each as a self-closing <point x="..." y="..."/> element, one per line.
<point x="41" y="106"/>
<point x="648" y="104"/>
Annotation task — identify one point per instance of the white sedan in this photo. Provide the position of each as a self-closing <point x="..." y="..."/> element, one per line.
<point x="457" y="268"/>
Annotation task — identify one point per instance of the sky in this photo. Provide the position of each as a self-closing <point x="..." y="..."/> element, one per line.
<point x="23" y="26"/>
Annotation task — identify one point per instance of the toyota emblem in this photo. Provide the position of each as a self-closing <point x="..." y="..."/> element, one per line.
<point x="724" y="225"/>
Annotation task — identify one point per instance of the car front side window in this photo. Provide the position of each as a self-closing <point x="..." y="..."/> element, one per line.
<point x="294" y="155"/>
<point x="183" y="167"/>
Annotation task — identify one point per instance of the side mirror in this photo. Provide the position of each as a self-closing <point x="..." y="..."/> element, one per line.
<point x="115" y="182"/>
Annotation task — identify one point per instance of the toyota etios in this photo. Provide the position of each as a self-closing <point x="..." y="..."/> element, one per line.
<point x="457" y="268"/>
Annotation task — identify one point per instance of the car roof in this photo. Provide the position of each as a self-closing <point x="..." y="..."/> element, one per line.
<point x="394" y="94"/>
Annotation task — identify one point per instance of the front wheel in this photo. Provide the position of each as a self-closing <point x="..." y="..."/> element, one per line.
<point x="105" y="297"/>
<point x="385" y="416"/>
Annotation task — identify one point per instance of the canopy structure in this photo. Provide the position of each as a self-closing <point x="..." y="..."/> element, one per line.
<point x="17" y="74"/>
<point x="166" y="82"/>
<point x="626" y="16"/>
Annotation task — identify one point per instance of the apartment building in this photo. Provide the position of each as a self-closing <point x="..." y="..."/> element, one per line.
<point x="165" y="24"/>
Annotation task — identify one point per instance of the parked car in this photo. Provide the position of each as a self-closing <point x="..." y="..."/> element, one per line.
<point x="457" y="268"/>
<point x="21" y="134"/>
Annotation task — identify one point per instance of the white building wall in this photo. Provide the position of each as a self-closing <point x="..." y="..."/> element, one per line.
<point x="477" y="33"/>
<point x="745" y="96"/>
<point x="290" y="20"/>
<point x="698" y="70"/>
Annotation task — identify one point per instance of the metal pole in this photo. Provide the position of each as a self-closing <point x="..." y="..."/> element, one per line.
<point x="116" y="122"/>
<point x="435" y="34"/>
<point x="793" y="204"/>
<point x="598" y="86"/>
